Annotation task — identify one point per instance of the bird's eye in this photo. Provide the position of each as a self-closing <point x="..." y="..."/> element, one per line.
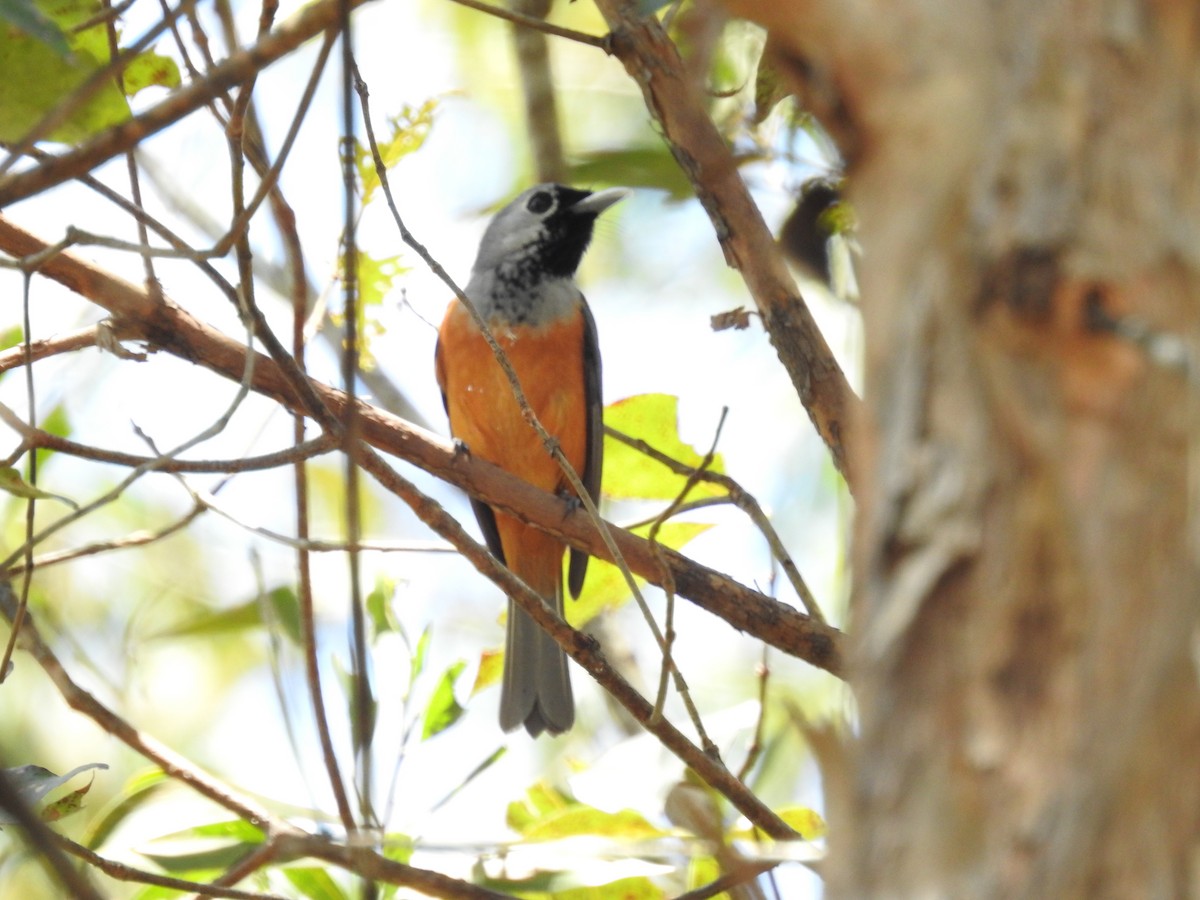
<point x="540" y="202"/>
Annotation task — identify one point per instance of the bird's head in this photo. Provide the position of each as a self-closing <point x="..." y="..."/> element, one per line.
<point x="543" y="232"/>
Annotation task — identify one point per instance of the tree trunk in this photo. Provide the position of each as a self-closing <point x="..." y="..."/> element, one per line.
<point x="1026" y="557"/>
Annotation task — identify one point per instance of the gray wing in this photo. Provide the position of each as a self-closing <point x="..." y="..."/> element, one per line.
<point x="593" y="463"/>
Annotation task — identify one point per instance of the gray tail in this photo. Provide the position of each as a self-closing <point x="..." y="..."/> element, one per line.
<point x="537" y="689"/>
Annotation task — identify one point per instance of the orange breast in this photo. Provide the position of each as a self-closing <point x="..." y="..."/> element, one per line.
<point x="484" y="414"/>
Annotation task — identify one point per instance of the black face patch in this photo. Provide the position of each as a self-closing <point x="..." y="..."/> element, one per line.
<point x="540" y="202"/>
<point x="566" y="233"/>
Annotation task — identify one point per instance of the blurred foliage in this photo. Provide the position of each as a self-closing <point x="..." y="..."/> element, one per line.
<point x="36" y="74"/>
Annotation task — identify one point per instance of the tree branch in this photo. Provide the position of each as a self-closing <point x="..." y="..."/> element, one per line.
<point x="653" y="62"/>
<point x="173" y="329"/>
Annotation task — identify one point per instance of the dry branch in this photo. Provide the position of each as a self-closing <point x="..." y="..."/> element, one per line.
<point x="671" y="97"/>
<point x="167" y="326"/>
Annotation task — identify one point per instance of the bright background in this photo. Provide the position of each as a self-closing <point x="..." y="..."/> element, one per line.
<point x="654" y="276"/>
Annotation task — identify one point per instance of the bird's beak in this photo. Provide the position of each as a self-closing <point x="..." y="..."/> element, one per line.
<point x="600" y="201"/>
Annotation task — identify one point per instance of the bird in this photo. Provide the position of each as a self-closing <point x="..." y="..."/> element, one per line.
<point x="523" y="286"/>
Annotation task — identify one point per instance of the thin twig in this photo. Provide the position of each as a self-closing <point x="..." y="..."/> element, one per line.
<point x="30" y="503"/>
<point x="362" y="700"/>
<point x="125" y="872"/>
<point x="743" y="500"/>
<point x="756" y="743"/>
<point x="537" y="24"/>
<point x="668" y="666"/>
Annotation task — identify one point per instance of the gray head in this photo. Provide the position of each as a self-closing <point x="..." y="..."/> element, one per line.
<point x="542" y="233"/>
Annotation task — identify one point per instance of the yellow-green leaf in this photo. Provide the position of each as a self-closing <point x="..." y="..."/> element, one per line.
<point x="35" y="77"/>
<point x="443" y="709"/>
<point x="540" y="801"/>
<point x="137" y="790"/>
<point x="605" y="587"/>
<point x="375" y="277"/>
<point x="580" y="819"/>
<point x="407" y="132"/>
<point x="636" y="887"/>
<point x="11" y="482"/>
<point x="806" y="822"/>
<point x="491" y="667"/>
<point x="66" y="804"/>
<point x="631" y="474"/>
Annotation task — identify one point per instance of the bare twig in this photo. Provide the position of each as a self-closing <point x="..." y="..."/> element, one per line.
<point x="27" y="575"/>
<point x="743" y="500"/>
<point x="537" y="24"/>
<point x="124" y="872"/>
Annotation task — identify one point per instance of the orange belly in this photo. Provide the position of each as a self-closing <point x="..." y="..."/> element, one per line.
<point x="484" y="415"/>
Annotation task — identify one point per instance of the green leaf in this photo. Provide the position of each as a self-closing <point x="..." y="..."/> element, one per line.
<point x="704" y="870"/>
<point x="204" y="848"/>
<point x="211" y="857"/>
<point x="11" y="482"/>
<point x="57" y="424"/>
<point x="14" y="335"/>
<point x="443" y="709"/>
<point x="417" y="664"/>
<point x="362" y="732"/>
<point x="66" y="805"/>
<point x="580" y="819"/>
<point x="135" y="792"/>
<point x="398" y="848"/>
<point x="540" y="801"/>
<point x="636" y="887"/>
<point x="283" y="607"/>
<point x="381" y="615"/>
<point x="35" y="77"/>
<point x="238" y="829"/>
<point x="313" y="882"/>
<point x="491" y="667"/>
<point x="651" y="166"/>
<point x="408" y="130"/>
<point x="25" y="16"/>
<point x="375" y="277"/>
<point x="806" y="822"/>
<point x="605" y="587"/>
<point x="149" y="70"/>
<point x="629" y="473"/>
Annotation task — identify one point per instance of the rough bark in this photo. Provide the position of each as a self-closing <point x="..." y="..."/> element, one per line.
<point x="1026" y="575"/>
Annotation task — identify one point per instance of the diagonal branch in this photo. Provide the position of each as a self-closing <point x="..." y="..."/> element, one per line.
<point x="167" y="326"/>
<point x="653" y="62"/>
<point x="238" y="68"/>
